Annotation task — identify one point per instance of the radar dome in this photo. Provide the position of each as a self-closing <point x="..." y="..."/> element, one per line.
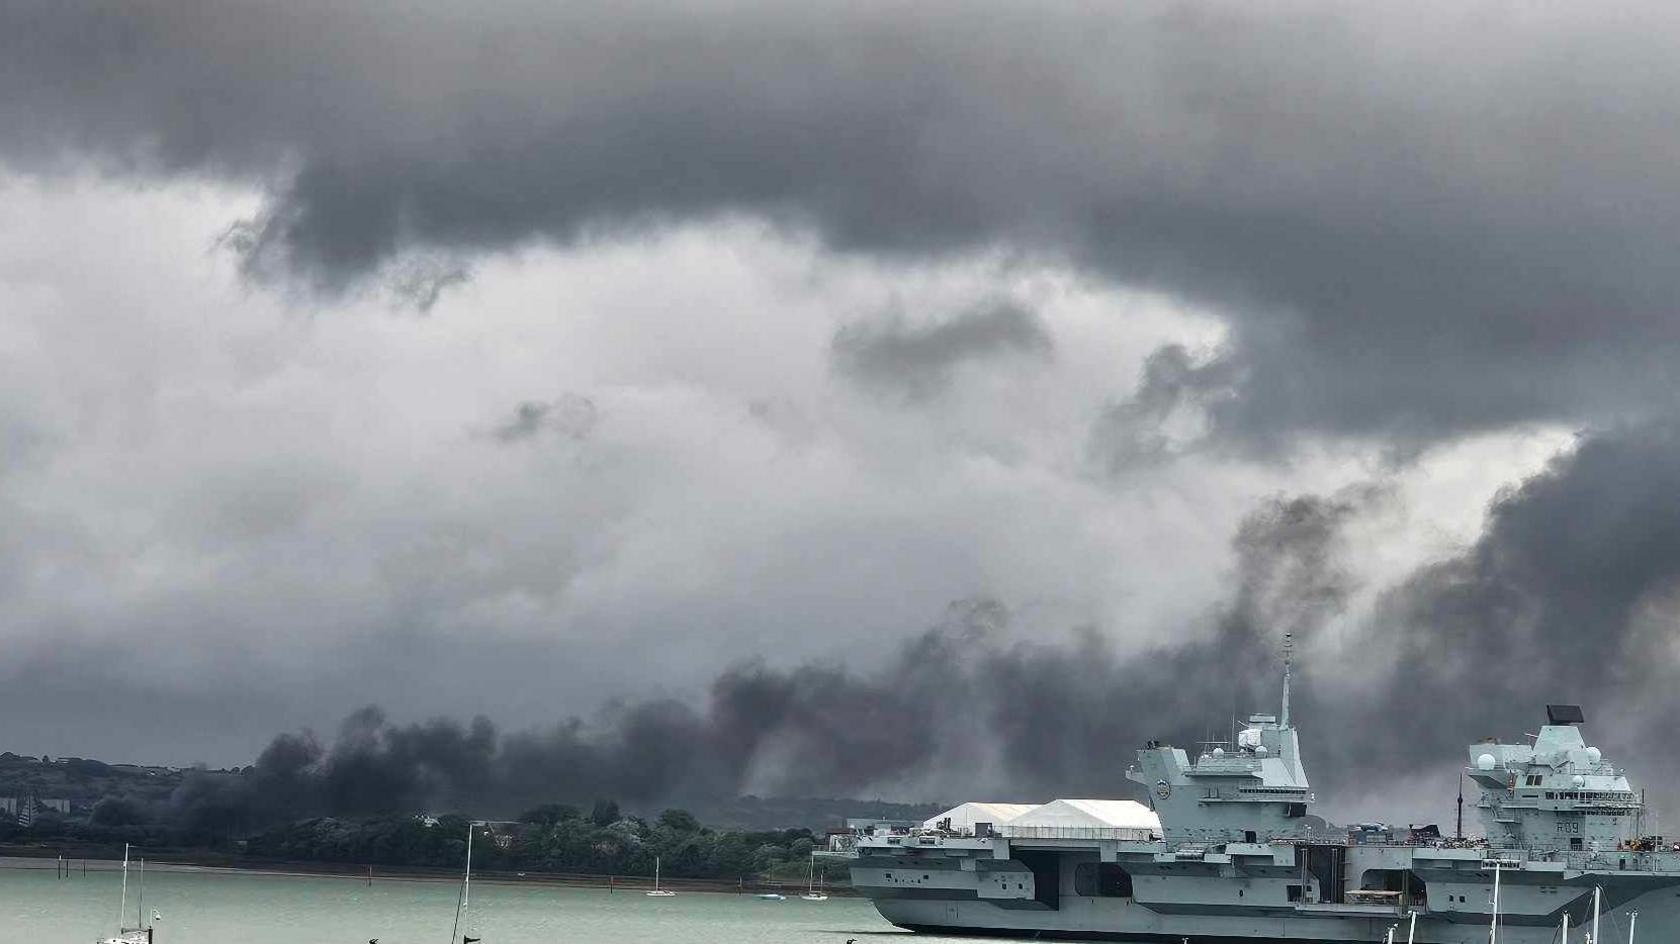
<point x="1594" y="755"/>
<point x="1261" y="751"/>
<point x="1579" y="782"/>
<point x="1485" y="762"/>
<point x="1219" y="752"/>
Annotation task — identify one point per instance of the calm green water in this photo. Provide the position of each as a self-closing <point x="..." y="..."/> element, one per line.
<point x="204" y="907"/>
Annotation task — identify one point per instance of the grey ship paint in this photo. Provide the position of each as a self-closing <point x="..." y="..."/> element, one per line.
<point x="1233" y="859"/>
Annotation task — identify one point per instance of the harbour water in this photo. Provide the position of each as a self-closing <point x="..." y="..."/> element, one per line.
<point x="213" y="907"/>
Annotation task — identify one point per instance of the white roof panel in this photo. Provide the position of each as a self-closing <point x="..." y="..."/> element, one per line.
<point x="1106" y="814"/>
<point x="965" y="816"/>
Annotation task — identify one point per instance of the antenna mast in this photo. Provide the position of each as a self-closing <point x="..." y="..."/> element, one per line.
<point x="1461" y="805"/>
<point x="1288" y="659"/>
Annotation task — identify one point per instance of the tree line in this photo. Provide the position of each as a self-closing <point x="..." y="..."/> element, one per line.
<point x="550" y="838"/>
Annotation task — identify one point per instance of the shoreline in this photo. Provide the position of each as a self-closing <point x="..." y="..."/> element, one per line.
<point x="100" y="858"/>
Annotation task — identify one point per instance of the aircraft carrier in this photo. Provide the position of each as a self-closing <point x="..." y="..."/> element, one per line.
<point x="1226" y="852"/>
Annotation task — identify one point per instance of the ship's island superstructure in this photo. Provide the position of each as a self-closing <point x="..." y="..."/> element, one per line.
<point x="1226" y="851"/>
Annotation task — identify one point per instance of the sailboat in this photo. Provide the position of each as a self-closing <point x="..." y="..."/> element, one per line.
<point x="812" y="893"/>
<point x="657" y="891"/>
<point x="463" y="904"/>
<point x="141" y="933"/>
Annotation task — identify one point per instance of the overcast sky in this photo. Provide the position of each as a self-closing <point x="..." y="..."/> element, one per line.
<point x="524" y="358"/>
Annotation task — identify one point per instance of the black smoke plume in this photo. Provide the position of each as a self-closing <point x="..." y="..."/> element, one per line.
<point x="1570" y="595"/>
<point x="959" y="708"/>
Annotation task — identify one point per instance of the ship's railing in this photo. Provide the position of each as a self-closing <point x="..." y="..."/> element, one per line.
<point x="1603" y="860"/>
<point x="1608" y="860"/>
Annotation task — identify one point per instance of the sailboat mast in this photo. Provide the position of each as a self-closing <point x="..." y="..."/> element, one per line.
<point x="1598" y="898"/>
<point x="140" y="903"/>
<point x="466" y="883"/>
<point x="1493" y="923"/>
<point x="122" y="909"/>
<point x="466" y="880"/>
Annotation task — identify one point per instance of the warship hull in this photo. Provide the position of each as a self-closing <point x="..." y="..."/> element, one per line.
<point x="1217" y="918"/>
<point x="1225" y="852"/>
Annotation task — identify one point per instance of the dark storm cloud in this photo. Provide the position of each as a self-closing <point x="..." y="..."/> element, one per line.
<point x="1443" y="219"/>
<point x="917" y="360"/>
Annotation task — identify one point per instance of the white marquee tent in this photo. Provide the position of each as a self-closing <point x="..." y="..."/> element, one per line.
<point x="1120" y="819"/>
<point x="965" y="816"/>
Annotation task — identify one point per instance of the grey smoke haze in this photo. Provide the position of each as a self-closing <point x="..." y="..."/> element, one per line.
<point x="655" y="446"/>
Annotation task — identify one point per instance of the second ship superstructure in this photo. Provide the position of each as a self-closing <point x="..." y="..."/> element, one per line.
<point x="1227" y="852"/>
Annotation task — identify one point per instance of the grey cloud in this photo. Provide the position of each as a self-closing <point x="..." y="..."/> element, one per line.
<point x="527" y="420"/>
<point x="1134" y="432"/>
<point x="572" y="416"/>
<point x="917" y="360"/>
<point x="420" y="282"/>
<point x="1412" y="233"/>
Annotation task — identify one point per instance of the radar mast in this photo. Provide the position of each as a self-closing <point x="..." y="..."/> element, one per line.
<point x="1288" y="658"/>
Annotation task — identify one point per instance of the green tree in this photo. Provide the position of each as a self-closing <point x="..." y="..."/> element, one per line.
<point x="680" y="821"/>
<point x="767" y="856"/>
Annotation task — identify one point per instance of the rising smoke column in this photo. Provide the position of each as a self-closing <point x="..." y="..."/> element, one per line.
<point x="959" y="707"/>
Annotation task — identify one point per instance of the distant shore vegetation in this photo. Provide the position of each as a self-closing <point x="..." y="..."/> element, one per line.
<point x="90" y="804"/>
<point x="554" y="838"/>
